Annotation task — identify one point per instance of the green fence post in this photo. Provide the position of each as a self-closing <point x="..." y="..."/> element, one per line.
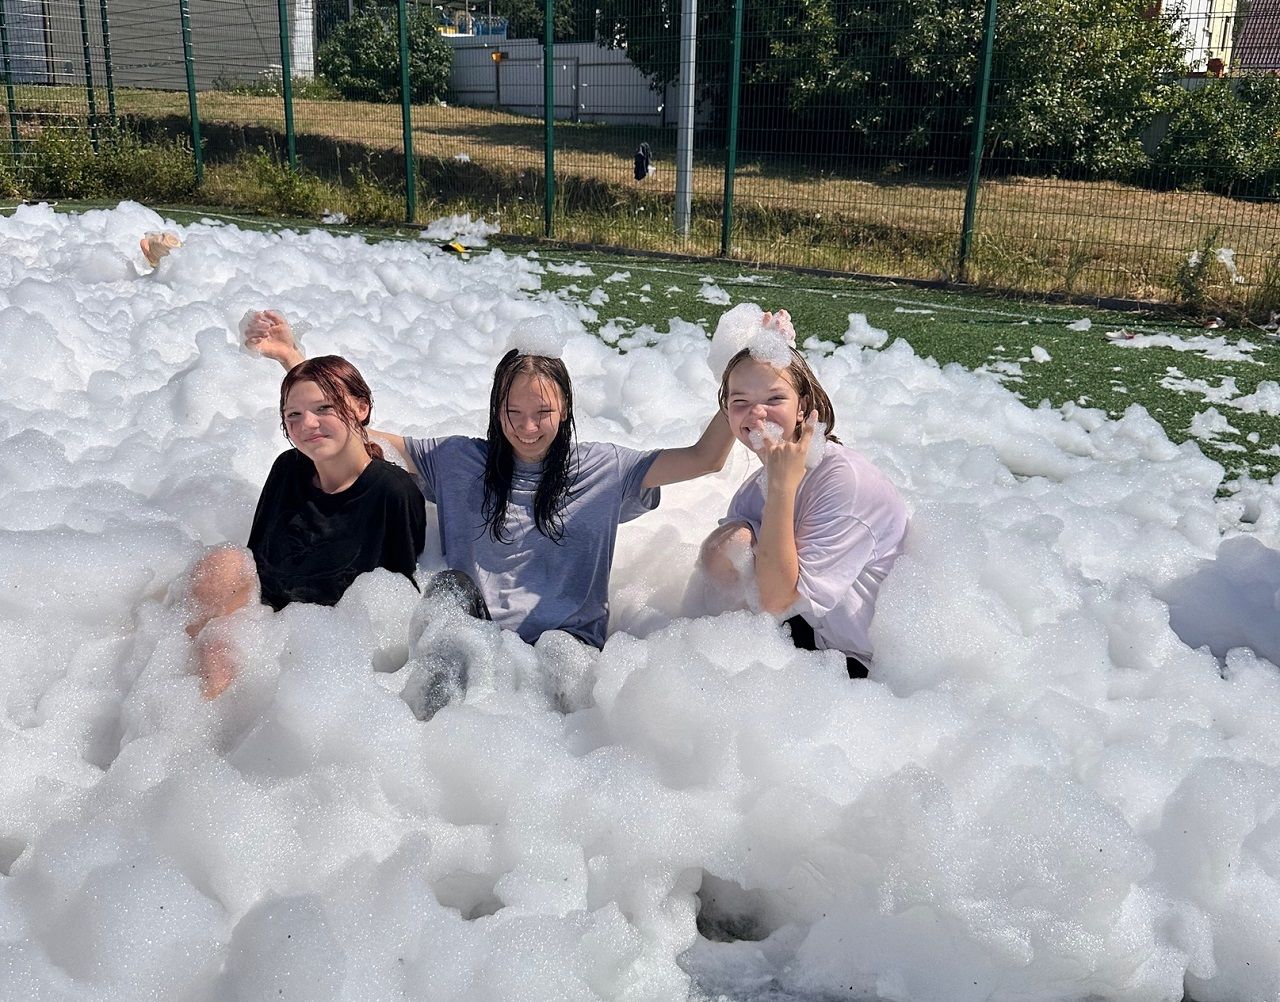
<point x="106" y="56"/>
<point x="286" y="82"/>
<point x="406" y="115"/>
<point x="8" y="83"/>
<point x="549" y="113"/>
<point x="88" y="77"/>
<point x="979" y="138"/>
<point x="184" y="8"/>
<point x="731" y="140"/>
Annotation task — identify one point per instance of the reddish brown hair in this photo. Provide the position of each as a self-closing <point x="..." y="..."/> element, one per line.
<point x="812" y="396"/>
<point x="342" y="386"/>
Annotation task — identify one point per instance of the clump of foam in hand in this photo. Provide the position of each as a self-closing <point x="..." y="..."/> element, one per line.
<point x="767" y="432"/>
<point x="817" y="446"/>
<point x="297" y="327"/>
<point x="773" y="433"/>
<point x="537" y="336"/>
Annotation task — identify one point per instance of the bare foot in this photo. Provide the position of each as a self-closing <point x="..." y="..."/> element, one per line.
<point x="156" y="246"/>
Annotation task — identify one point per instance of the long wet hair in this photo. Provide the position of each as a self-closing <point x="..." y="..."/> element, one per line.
<point x="554" y="489"/>
<point x="797" y="372"/>
<point x="343" y="387"/>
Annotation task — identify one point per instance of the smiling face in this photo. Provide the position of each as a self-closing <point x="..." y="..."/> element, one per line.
<point x="316" y="427"/>
<point x="531" y="416"/>
<point x="758" y="394"/>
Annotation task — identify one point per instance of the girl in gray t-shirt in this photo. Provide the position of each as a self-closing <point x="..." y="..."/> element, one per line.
<point x="528" y="513"/>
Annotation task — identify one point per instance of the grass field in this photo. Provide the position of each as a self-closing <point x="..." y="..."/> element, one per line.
<point x="1175" y="380"/>
<point x="1033" y="234"/>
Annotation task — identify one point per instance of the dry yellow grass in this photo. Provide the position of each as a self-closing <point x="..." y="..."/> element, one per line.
<point x="1035" y="234"/>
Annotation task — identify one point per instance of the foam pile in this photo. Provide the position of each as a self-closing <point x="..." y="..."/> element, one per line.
<point x="1044" y="793"/>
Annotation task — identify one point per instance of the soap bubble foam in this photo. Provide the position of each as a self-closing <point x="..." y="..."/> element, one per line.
<point x="1047" y="791"/>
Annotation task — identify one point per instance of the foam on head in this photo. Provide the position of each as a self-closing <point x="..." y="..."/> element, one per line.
<point x="742" y="327"/>
<point x="537" y="335"/>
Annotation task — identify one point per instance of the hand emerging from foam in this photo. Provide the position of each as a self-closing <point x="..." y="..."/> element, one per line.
<point x="268" y="333"/>
<point x="156" y="246"/>
<point x="784" y="458"/>
<point x="780" y="322"/>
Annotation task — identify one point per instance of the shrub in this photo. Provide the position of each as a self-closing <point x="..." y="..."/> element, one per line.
<point x="284" y="191"/>
<point x="158" y="171"/>
<point x="9" y="187"/>
<point x="60" y="163"/>
<point x="1225" y="137"/>
<point x="361" y="59"/>
<point x="270" y="83"/>
<point x="369" y="201"/>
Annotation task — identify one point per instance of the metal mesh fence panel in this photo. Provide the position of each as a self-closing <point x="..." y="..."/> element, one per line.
<point x="854" y="136"/>
<point x="56" y="77"/>
<point x="1130" y="152"/>
<point x="1106" y="147"/>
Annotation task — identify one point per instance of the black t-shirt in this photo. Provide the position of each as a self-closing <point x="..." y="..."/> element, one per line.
<point x="309" y="546"/>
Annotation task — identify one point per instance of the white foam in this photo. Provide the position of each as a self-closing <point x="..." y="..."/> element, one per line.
<point x="713" y="294"/>
<point x="767" y="432"/>
<point x="576" y="270"/>
<point x="1048" y="790"/>
<point x="461" y="229"/>
<point x="861" y="332"/>
<point x="538" y="336"/>
<point x="1227" y="258"/>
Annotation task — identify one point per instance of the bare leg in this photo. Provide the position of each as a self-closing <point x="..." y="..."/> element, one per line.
<point x="726" y="566"/>
<point x="223" y="581"/>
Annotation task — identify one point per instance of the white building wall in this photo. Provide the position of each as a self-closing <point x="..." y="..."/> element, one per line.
<point x="1207" y="27"/>
<point x="592" y="83"/>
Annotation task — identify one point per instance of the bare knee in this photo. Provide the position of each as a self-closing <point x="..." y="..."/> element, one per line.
<point x="726" y="553"/>
<point x="222" y="582"/>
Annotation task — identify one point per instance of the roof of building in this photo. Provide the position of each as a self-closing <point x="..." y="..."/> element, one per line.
<point x="1258" y="47"/>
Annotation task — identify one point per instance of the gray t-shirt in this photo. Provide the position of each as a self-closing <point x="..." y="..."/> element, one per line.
<point x="531" y="583"/>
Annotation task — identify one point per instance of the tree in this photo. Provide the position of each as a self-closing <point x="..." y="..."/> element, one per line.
<point x="361" y="58"/>
<point x="1075" y="82"/>
<point x="573" y="21"/>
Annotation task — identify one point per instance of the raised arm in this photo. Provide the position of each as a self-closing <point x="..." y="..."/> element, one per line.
<point x="268" y="334"/>
<point x="707" y="455"/>
<point x="777" y="557"/>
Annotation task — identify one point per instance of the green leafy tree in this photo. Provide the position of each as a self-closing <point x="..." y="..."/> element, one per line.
<point x="1225" y="136"/>
<point x="1075" y="82"/>
<point x="572" y="21"/>
<point x="361" y="58"/>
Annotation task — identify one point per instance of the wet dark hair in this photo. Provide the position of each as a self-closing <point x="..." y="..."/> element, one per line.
<point x="812" y="396"/>
<point x="342" y="386"/>
<point x="554" y="486"/>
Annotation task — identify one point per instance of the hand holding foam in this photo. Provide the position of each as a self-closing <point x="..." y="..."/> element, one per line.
<point x="785" y="460"/>
<point x="267" y="333"/>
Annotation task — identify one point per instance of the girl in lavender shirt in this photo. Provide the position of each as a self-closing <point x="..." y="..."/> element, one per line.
<point x="817" y="527"/>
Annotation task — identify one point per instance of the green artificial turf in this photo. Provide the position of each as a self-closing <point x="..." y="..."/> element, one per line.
<point x="975" y="330"/>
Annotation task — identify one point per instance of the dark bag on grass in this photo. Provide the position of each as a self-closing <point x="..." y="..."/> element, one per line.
<point x="643" y="162"/>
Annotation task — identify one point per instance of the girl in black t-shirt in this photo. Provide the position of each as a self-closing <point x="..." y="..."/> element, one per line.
<point x="332" y="508"/>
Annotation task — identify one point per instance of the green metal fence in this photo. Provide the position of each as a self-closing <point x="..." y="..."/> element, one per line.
<point x="1104" y="147"/>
